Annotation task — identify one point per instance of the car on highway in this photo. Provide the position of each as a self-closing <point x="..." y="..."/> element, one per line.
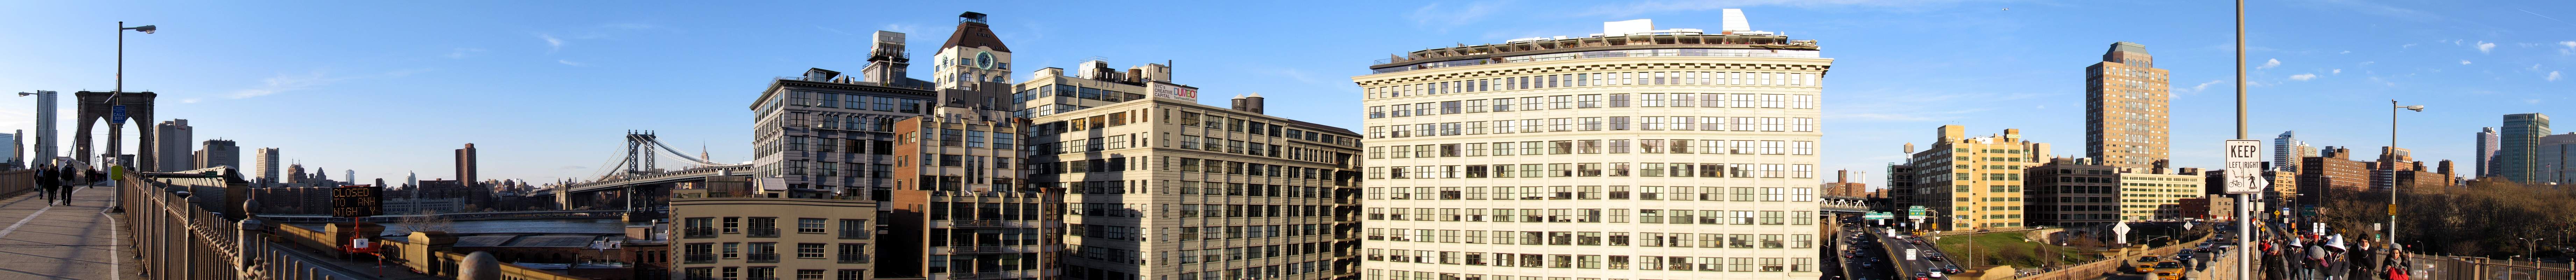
<point x="1952" y="269"/>
<point x="2144" y="264"/>
<point x="2169" y="270"/>
<point x="1922" y="276"/>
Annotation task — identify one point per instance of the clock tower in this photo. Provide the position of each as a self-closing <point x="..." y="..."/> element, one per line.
<point x="973" y="67"/>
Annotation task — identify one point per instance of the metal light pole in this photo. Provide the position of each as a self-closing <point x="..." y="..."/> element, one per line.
<point x="2392" y="165"/>
<point x="2244" y="226"/>
<point x="115" y="141"/>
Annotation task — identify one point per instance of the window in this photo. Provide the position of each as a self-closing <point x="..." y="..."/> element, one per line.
<point x="809" y="225"/>
<point x="809" y="250"/>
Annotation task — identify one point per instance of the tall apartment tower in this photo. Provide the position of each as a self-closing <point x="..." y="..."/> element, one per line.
<point x="2126" y="118"/>
<point x="2488" y="144"/>
<point x="465" y="162"/>
<point x="1981" y="195"/>
<point x="1636" y="153"/>
<point x="267" y="158"/>
<point x="2517" y="152"/>
<point x="175" y="137"/>
<point x="2287" y="151"/>
<point x="45" y="133"/>
<point x="9" y="156"/>
<point x="2552" y="157"/>
<point x="219" y="152"/>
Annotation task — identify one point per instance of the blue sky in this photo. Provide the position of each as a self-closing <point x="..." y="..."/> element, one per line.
<point x="545" y="89"/>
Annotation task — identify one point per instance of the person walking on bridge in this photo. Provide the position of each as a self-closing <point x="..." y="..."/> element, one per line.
<point x="44" y="179"/>
<point x="60" y="191"/>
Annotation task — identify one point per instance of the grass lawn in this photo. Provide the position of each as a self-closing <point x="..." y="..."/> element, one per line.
<point x="2007" y="248"/>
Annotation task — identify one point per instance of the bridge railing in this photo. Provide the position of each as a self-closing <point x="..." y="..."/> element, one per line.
<point x="17" y="181"/>
<point x="177" y="239"/>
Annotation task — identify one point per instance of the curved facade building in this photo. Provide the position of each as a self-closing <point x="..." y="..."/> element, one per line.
<point x="1632" y="154"/>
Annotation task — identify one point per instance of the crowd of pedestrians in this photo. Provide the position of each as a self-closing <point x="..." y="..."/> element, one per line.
<point x="2311" y="256"/>
<point x="56" y="182"/>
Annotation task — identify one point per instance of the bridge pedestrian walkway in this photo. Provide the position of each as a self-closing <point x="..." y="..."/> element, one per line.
<point x="80" y="241"/>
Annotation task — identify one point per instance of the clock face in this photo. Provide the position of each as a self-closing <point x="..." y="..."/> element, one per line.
<point x="984" y="60"/>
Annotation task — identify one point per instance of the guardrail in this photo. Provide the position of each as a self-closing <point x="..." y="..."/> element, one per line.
<point x="14" y="182"/>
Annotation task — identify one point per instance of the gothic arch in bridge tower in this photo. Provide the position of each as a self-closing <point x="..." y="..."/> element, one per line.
<point x="96" y="108"/>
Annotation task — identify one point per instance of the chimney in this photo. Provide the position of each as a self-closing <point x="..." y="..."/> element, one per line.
<point x="1238" y="103"/>
<point x="1253" y="102"/>
<point x="1842" y="176"/>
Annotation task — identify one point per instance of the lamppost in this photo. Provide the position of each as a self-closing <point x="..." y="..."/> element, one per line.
<point x="2392" y="161"/>
<point x="115" y="144"/>
<point x="2532" y="248"/>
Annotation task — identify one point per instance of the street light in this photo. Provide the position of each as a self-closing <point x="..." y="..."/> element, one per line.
<point x="2392" y="162"/>
<point x="113" y="142"/>
<point x="2531" y="249"/>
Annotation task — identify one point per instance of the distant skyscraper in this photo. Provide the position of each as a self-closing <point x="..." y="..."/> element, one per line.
<point x="2487" y="145"/>
<point x="45" y="143"/>
<point x="268" y="165"/>
<point x="2552" y="158"/>
<point x="9" y="156"/>
<point x="465" y="165"/>
<point x="349" y="174"/>
<point x="2127" y="117"/>
<point x="411" y="179"/>
<point x="219" y="152"/>
<point x="2287" y="152"/>
<point x="2516" y="158"/>
<point x="175" y="139"/>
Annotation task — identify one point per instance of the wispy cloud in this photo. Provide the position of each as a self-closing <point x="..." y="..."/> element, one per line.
<point x="2546" y="17"/>
<point x="2464" y="62"/>
<point x="567" y="62"/>
<point x="2485" y="47"/>
<point x="283" y="83"/>
<point x="2268" y="64"/>
<point x="1439" y="16"/>
<point x="2205" y="85"/>
<point x="2377" y="9"/>
<point x="2407" y="45"/>
<point x="628" y="26"/>
<point x="2553" y="76"/>
<point x="2337" y="72"/>
<point x="901" y="28"/>
<point x="2571" y="47"/>
<point x="463" y="52"/>
<point x="2303" y="77"/>
<point x="552" y="43"/>
<point x="833" y="30"/>
<point x="2344" y="52"/>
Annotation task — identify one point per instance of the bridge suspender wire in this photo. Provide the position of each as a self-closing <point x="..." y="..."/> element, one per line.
<point x="684" y="156"/>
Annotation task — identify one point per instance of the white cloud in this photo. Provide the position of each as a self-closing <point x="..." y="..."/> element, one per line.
<point x="2344" y="52"/>
<point x="2571" y="47"/>
<point x="283" y="83"/>
<point x="2464" y="62"/>
<point x="2205" y="86"/>
<point x="2485" y="47"/>
<point x="190" y="100"/>
<point x="2407" y="45"/>
<point x="555" y="44"/>
<point x="567" y="62"/>
<point x="2303" y="77"/>
<point x="2338" y="72"/>
<point x="901" y="28"/>
<point x="2553" y="76"/>
<point x="2367" y="63"/>
<point x="463" y="52"/>
<point x="2535" y="67"/>
<point x="2269" y="64"/>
